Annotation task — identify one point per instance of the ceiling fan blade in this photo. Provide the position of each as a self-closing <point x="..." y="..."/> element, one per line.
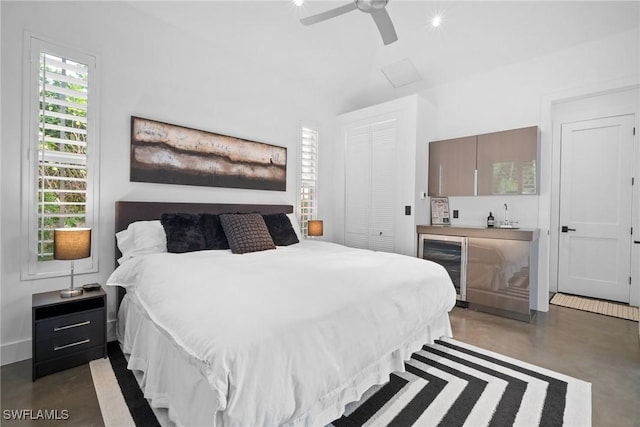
<point x="385" y="26"/>
<point x="314" y="19"/>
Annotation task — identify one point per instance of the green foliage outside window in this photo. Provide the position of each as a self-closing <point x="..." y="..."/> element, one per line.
<point x="62" y="150"/>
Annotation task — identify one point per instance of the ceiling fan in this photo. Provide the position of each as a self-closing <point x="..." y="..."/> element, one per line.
<point x="376" y="8"/>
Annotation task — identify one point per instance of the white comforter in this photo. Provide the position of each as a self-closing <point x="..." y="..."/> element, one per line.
<point x="277" y="333"/>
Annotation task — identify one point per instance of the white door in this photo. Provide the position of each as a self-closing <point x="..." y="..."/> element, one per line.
<point x="595" y="208"/>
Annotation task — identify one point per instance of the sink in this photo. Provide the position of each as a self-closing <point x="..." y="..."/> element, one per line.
<point x="508" y="227"/>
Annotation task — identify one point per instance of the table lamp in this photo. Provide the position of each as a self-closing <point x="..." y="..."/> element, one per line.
<point x="314" y="227"/>
<point x="71" y="244"/>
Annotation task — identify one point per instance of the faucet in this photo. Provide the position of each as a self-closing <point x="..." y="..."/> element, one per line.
<point x="507" y="223"/>
<point x="506" y="215"/>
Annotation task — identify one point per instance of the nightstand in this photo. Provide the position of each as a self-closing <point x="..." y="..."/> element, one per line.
<point x="67" y="331"/>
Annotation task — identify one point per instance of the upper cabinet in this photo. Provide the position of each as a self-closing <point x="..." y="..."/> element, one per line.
<point x="507" y="162"/>
<point x="497" y="163"/>
<point x="452" y="165"/>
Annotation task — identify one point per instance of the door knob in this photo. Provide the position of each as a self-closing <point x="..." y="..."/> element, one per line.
<point x="565" y="229"/>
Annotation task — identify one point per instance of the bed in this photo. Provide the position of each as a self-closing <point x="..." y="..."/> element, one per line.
<point x="287" y="336"/>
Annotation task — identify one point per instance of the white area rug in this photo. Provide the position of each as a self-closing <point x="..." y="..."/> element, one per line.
<point x="445" y="383"/>
<point x="450" y="383"/>
<point x="115" y="412"/>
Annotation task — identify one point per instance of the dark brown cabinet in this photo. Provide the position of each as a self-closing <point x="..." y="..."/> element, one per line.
<point x="497" y="163"/>
<point x="67" y="331"/>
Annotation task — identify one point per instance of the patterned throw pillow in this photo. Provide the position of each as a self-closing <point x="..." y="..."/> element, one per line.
<point x="246" y="233"/>
<point x="281" y="230"/>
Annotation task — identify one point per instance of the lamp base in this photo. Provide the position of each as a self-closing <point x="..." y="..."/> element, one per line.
<point x="66" y="293"/>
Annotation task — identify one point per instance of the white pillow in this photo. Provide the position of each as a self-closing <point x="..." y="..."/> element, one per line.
<point x="296" y="225"/>
<point x="141" y="238"/>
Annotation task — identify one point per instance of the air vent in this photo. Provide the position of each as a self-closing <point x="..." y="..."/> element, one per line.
<point x="401" y="73"/>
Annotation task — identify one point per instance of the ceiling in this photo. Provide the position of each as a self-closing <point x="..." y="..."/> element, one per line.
<point x="343" y="57"/>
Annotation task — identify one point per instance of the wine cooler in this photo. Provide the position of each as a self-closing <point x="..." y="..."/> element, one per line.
<point x="451" y="253"/>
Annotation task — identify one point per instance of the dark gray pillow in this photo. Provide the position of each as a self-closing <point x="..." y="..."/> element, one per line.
<point x="214" y="236"/>
<point x="280" y="228"/>
<point x="193" y="232"/>
<point x="246" y="233"/>
<point x="184" y="232"/>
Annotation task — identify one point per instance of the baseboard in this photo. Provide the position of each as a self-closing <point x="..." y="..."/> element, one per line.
<point x="16" y="351"/>
<point x="21" y="350"/>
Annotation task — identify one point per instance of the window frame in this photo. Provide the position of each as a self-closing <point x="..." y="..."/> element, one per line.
<point x="31" y="268"/>
<point x="302" y="221"/>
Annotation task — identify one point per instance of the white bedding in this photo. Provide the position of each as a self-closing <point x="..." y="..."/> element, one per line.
<point x="282" y="335"/>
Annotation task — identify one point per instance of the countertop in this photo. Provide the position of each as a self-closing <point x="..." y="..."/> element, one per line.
<point x="526" y="234"/>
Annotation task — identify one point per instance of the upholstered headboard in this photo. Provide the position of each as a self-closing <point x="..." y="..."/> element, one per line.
<point x="128" y="212"/>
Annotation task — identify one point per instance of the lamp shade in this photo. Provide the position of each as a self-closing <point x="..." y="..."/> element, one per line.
<point x="315" y="227"/>
<point x="71" y="243"/>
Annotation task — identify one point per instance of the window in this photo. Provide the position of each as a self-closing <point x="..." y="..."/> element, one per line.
<point x="61" y="153"/>
<point x="308" y="177"/>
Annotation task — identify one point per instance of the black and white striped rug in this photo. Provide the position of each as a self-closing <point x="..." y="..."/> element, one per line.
<point x="450" y="383"/>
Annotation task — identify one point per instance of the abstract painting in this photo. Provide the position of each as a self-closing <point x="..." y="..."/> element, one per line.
<point x="172" y="154"/>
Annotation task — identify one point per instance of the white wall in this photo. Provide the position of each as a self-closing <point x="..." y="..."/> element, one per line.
<point x="521" y="95"/>
<point x="152" y="70"/>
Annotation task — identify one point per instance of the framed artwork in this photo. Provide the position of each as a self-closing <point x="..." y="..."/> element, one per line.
<point x="440" y="211"/>
<point x="172" y="154"/>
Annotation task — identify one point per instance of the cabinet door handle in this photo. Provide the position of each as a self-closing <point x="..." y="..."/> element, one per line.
<point x="73" y="344"/>
<point x="75" y="325"/>
<point x="565" y="229"/>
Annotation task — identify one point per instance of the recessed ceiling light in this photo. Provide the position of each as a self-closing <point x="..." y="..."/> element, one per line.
<point x="436" y="21"/>
<point x="298" y="2"/>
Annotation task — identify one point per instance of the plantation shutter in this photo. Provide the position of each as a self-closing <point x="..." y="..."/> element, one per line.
<point x="62" y="148"/>
<point x="308" y="177"/>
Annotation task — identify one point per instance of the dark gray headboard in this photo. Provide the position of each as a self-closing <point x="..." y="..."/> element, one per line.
<point x="128" y="212"/>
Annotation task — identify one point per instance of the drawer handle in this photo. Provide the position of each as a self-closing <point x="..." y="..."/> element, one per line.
<point x="73" y="344"/>
<point x="75" y="325"/>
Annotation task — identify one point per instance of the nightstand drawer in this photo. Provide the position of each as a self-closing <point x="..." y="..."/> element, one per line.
<point x="70" y="324"/>
<point x="69" y="334"/>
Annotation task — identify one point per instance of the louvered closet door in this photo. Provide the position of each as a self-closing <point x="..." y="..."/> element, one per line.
<point x="382" y="213"/>
<point x="370" y="187"/>
<point x="357" y="176"/>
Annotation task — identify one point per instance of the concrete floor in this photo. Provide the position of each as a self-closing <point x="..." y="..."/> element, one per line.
<point x="602" y="350"/>
<point x="70" y="390"/>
